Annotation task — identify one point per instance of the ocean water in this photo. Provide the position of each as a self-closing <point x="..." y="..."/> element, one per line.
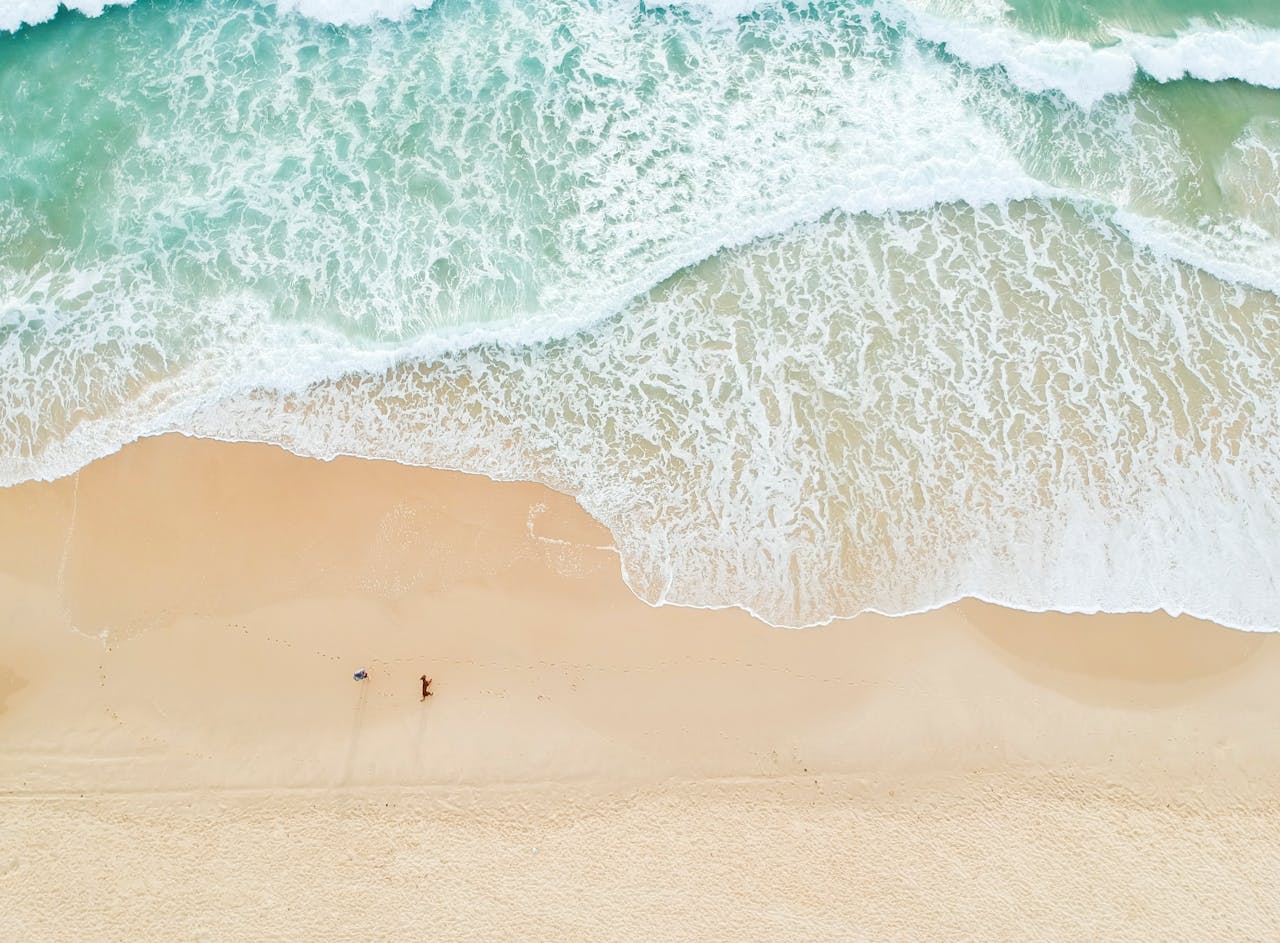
<point x="821" y="308"/>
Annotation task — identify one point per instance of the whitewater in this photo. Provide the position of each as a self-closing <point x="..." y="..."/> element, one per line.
<point x="821" y="308"/>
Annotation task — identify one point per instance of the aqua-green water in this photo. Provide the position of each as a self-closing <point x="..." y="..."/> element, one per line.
<point x="820" y="308"/>
<point x="1097" y="19"/>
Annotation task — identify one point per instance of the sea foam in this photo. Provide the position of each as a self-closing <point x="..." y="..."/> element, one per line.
<point x="1211" y="53"/>
<point x="878" y="413"/>
<point x="348" y="13"/>
<point x="238" y="224"/>
<point x="817" y="318"/>
<point x="16" y="14"/>
<point x="1086" y="73"/>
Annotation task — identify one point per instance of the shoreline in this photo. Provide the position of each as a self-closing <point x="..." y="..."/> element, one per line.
<point x="688" y="773"/>
<point x="967" y="598"/>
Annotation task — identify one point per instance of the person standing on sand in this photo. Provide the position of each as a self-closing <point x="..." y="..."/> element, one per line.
<point x="426" y="684"/>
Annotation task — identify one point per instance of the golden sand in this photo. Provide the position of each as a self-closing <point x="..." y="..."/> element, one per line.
<point x="184" y="754"/>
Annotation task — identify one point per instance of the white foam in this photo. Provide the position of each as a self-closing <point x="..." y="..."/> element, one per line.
<point x="858" y="412"/>
<point x="1211" y="53"/>
<point x="1085" y="73"/>
<point x="349" y="13"/>
<point x="720" y="11"/>
<point x="844" y="418"/>
<point x="1081" y="72"/>
<point x="671" y="179"/>
<point x="1234" y="250"/>
<point x="848" y="417"/>
<point x="878" y="415"/>
<point x="15" y="14"/>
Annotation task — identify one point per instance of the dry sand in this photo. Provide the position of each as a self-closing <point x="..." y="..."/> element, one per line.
<point x="184" y="754"/>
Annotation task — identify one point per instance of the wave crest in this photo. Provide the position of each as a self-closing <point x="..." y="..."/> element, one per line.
<point x="19" y="13"/>
<point x="1085" y="73"/>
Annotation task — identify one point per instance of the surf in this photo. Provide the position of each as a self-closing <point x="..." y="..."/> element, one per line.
<point x="819" y="310"/>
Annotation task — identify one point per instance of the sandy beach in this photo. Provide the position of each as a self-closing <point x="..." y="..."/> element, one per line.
<point x="793" y="309"/>
<point x="185" y="755"/>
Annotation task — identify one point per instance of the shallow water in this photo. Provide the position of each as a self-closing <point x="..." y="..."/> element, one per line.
<point x="820" y="308"/>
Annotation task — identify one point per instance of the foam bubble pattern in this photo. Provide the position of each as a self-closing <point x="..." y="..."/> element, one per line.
<point x="526" y="170"/>
<point x="880" y="413"/>
<point x="500" y="170"/>
<point x="817" y="315"/>
<point x="16" y="14"/>
<point x="1087" y="72"/>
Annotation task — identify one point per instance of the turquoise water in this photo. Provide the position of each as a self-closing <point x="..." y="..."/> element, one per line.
<point x="821" y="308"/>
<point x="1097" y="19"/>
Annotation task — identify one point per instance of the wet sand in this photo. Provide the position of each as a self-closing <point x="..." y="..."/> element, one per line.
<point x="184" y="753"/>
